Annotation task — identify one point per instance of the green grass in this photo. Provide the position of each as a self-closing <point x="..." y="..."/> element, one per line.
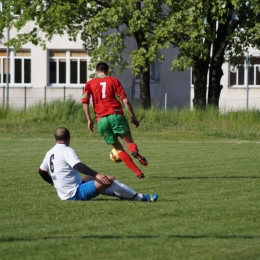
<point x="208" y="185"/>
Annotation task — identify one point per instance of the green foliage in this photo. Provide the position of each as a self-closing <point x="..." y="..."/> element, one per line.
<point x="188" y="26"/>
<point x="211" y="122"/>
<point x="55" y="111"/>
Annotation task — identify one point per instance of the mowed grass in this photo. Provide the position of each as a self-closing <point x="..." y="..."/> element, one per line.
<point x="208" y="207"/>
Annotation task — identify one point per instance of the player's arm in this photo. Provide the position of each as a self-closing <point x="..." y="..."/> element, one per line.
<point x="85" y="103"/>
<point x="87" y="112"/>
<point x="81" y="167"/>
<point x="130" y="110"/>
<point x="45" y="175"/>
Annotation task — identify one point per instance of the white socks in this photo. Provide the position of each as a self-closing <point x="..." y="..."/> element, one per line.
<point x="123" y="190"/>
<point x="108" y="192"/>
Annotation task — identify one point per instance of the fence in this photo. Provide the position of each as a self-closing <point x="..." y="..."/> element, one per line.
<point x="24" y="97"/>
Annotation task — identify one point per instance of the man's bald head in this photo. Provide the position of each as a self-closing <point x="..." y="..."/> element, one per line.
<point x="62" y="134"/>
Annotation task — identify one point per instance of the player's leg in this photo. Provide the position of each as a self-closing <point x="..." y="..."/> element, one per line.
<point x="86" y="191"/>
<point x="132" y="147"/>
<point x="117" y="191"/>
<point x="91" y="188"/>
<point x="126" y="192"/>
<point x="108" y="128"/>
<point x="107" y="192"/>
<point x="126" y="159"/>
<point x="121" y="128"/>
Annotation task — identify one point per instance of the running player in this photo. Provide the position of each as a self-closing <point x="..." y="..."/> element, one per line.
<point x="106" y="93"/>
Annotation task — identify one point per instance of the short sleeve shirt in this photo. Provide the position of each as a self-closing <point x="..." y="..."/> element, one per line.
<point x="106" y="93"/>
<point x="59" y="162"/>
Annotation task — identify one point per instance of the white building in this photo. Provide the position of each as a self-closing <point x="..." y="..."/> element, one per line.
<point x="36" y="74"/>
<point x="60" y="72"/>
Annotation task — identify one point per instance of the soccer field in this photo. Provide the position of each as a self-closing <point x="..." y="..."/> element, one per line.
<point x="208" y="206"/>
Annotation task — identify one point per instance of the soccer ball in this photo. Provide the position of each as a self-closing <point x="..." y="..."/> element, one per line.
<point x="114" y="156"/>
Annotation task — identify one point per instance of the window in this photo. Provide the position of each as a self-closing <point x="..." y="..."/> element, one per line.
<point x="19" y="67"/>
<point x="237" y="76"/>
<point x="3" y="67"/>
<point x="22" y="67"/>
<point x="78" y="67"/>
<point x="67" y="67"/>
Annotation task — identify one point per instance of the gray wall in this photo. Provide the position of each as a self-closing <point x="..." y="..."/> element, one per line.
<point x="175" y="84"/>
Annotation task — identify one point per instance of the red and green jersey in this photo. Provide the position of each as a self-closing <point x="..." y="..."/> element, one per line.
<point x="106" y="93"/>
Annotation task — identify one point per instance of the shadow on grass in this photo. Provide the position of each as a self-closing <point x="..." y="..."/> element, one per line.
<point x="14" y="239"/>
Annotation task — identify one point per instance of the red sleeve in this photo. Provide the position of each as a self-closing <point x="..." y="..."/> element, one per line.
<point x="86" y="94"/>
<point x="120" y="92"/>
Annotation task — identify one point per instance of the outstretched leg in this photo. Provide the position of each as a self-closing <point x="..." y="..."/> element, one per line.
<point x="126" y="192"/>
<point x="127" y="160"/>
<point x="132" y="147"/>
<point x="118" y="189"/>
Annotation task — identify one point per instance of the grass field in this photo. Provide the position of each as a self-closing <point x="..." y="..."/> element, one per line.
<point x="208" y="207"/>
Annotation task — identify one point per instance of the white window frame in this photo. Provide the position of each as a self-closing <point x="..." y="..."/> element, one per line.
<point x="12" y="58"/>
<point x="23" y="69"/>
<point x="68" y="59"/>
<point x="254" y="85"/>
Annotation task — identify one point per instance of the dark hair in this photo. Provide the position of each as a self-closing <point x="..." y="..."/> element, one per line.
<point x="62" y="134"/>
<point x="103" y="67"/>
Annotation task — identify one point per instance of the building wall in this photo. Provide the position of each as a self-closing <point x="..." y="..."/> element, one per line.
<point x="238" y="97"/>
<point x="39" y="89"/>
<point x="175" y="84"/>
<point x="173" y="88"/>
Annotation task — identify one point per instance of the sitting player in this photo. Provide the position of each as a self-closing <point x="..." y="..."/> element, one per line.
<point x="61" y="167"/>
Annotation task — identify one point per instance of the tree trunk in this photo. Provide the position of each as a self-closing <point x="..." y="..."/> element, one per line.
<point x="215" y="88"/>
<point x="200" y="70"/>
<point x="144" y="72"/>
<point x="216" y="72"/>
<point x="145" y="88"/>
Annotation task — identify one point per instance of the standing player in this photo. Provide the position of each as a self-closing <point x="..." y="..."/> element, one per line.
<point x="61" y="167"/>
<point x="106" y="93"/>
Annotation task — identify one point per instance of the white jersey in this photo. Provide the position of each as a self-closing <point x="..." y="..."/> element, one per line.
<point x="59" y="162"/>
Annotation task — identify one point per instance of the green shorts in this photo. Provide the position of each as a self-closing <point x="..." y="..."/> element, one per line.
<point x="109" y="127"/>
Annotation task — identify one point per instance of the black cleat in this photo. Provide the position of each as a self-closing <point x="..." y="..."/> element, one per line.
<point x="140" y="158"/>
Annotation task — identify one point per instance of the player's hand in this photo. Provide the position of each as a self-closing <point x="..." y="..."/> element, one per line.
<point x="135" y="121"/>
<point x="104" y="179"/>
<point x="90" y="125"/>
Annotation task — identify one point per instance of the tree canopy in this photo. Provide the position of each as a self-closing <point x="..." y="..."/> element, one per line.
<point x="206" y="33"/>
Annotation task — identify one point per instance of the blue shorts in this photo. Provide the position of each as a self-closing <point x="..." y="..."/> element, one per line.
<point x="86" y="191"/>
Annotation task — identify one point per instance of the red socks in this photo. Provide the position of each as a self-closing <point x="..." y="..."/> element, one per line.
<point x="132" y="147"/>
<point x="125" y="157"/>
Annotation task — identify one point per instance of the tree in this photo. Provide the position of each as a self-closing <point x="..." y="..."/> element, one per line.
<point x="93" y="20"/>
<point x="207" y="36"/>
